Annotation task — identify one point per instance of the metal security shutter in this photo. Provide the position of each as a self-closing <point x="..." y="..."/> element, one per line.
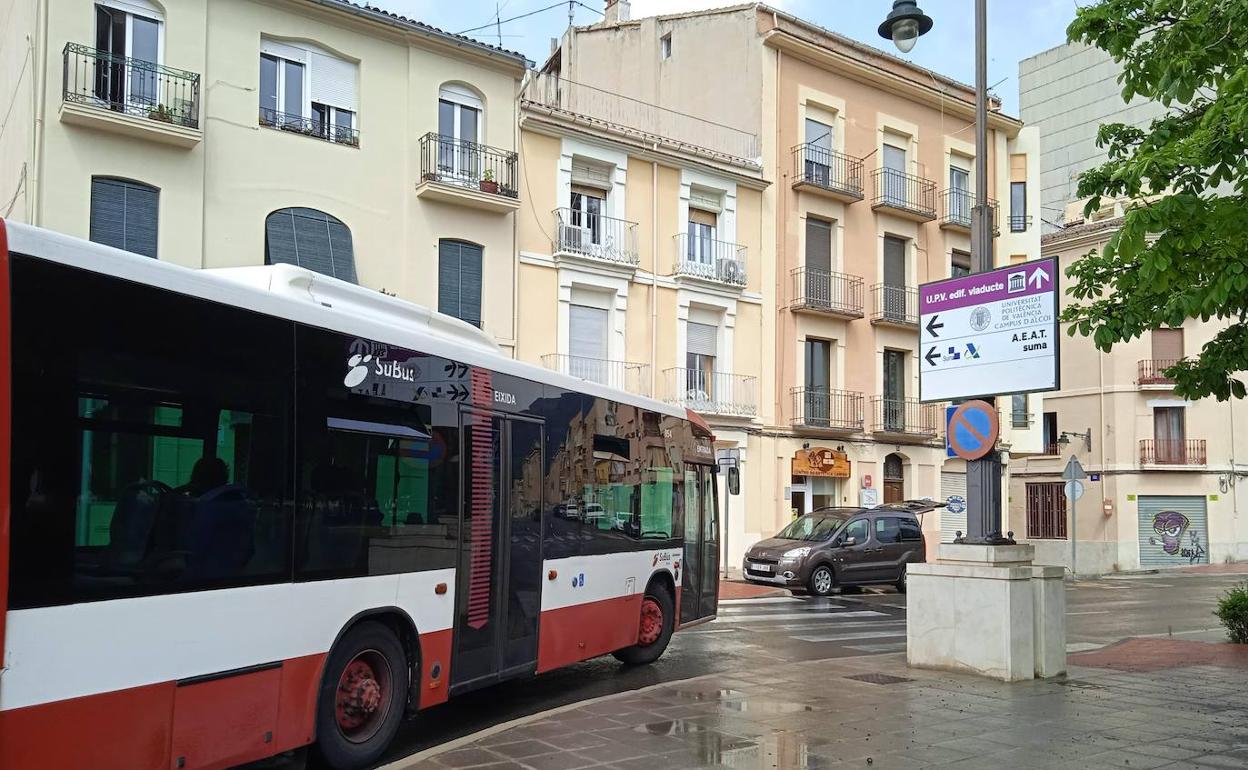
<point x="894" y="261"/>
<point x="952" y="484"/>
<point x="459" y="280"/>
<point x="310" y="239"/>
<point x="700" y="338"/>
<point x="818" y="244"/>
<point x="125" y="215"/>
<point x="588" y="332"/>
<point x="1174" y="530"/>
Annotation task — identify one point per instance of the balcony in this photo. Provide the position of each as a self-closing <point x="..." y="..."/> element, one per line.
<point x="621" y="375"/>
<point x="827" y="172"/>
<point x="904" y="195"/>
<point x="1020" y="223"/>
<point x="130" y="96"/>
<point x="648" y="123"/>
<point x="1151" y="373"/>
<point x="824" y="410"/>
<point x="894" y="305"/>
<point x="826" y="292"/>
<point x="466" y="173"/>
<point x="955" y="211"/>
<point x="707" y="259"/>
<point x="313" y="127"/>
<point x="595" y="238"/>
<point x="904" y="418"/>
<point x="1171" y="453"/>
<point x="714" y="393"/>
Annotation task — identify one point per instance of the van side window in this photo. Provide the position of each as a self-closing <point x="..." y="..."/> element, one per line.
<point x="857" y="529"/>
<point x="910" y="531"/>
<point x="888" y="530"/>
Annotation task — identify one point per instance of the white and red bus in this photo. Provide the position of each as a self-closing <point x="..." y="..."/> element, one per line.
<point x="246" y="510"/>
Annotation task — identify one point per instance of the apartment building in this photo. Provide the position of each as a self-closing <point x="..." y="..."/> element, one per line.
<point x="1161" y="488"/>
<point x="869" y="167"/>
<point x="347" y="140"/>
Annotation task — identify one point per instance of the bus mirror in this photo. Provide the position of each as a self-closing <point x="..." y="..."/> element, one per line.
<point x="734" y="481"/>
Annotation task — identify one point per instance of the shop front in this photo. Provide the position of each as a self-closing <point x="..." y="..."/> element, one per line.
<point x="819" y="476"/>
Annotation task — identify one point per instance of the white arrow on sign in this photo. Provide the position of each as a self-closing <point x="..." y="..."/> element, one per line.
<point x="1038" y="277"/>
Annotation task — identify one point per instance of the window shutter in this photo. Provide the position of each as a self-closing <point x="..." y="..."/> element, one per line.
<point x="333" y="81"/>
<point x="588" y="332"/>
<point x="702" y="217"/>
<point x="590" y="175"/>
<point x="125" y="215"/>
<point x="818" y="244"/>
<point x="1167" y="344"/>
<point x="700" y="338"/>
<point x="705" y="200"/>
<point x="310" y="239"/>
<point x="459" y="280"/>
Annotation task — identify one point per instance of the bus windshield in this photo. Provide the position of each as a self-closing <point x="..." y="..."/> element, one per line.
<point x="810" y="527"/>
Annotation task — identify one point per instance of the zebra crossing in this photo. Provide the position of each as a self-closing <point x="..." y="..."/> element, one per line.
<point x="824" y="627"/>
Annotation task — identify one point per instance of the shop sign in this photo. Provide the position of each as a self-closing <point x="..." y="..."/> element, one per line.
<point x="821" y="461"/>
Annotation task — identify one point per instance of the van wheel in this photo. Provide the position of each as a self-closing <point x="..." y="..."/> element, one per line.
<point x="822" y="581"/>
<point x="654" y="630"/>
<point x="901" y="581"/>
<point x="362" y="694"/>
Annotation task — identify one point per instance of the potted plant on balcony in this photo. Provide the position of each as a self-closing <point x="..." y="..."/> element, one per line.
<point x="161" y="113"/>
<point x="488" y="185"/>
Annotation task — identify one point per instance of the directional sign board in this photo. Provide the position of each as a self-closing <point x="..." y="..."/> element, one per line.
<point x="973" y="429"/>
<point x="989" y="333"/>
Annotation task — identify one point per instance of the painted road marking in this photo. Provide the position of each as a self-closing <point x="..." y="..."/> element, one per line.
<point x="850" y="637"/>
<point x="760" y="600"/>
<point x="801" y="616"/>
<point x="887" y="647"/>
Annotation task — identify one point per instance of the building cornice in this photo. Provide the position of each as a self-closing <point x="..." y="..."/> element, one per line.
<point x="864" y="72"/>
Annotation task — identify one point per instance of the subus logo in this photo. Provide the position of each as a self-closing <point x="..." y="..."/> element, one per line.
<point x="357" y="369"/>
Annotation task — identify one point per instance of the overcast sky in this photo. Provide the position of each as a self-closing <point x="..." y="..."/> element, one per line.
<point x="1017" y="29"/>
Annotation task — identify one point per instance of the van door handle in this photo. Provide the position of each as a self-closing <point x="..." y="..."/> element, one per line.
<point x="874" y="550"/>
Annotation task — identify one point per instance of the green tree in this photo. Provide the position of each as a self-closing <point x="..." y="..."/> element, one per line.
<point x="1182" y="249"/>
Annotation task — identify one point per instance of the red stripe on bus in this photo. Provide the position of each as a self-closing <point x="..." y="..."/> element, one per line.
<point x="6" y="369"/>
<point x="572" y="634"/>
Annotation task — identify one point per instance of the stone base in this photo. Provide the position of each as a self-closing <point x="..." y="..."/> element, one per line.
<point x="987" y="610"/>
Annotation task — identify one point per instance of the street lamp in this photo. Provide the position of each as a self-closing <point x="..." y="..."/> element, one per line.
<point x="904" y="24"/>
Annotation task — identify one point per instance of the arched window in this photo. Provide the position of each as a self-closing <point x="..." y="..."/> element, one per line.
<point x="124" y="215"/>
<point x="894" y="479"/>
<point x="459" y="280"/>
<point x="309" y="238"/>
<point x="459" y="112"/>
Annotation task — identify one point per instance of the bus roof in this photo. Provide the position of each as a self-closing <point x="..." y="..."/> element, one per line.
<point x="298" y="294"/>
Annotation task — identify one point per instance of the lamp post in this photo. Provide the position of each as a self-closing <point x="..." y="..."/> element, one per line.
<point x="903" y="25"/>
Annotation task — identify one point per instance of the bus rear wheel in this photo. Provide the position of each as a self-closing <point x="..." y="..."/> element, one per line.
<point x="362" y="694"/>
<point x="654" y="629"/>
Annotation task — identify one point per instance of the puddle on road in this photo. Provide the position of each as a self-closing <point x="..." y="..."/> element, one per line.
<point x="738" y="702"/>
<point x="778" y="751"/>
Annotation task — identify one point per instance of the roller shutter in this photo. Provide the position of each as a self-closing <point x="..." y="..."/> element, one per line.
<point x="1174" y="530"/>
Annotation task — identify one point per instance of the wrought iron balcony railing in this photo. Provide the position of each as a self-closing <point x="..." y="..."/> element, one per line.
<point x="1183" y="451"/>
<point x="824" y="409"/>
<point x="313" y="127"/>
<point x="130" y="86"/>
<point x="828" y="169"/>
<point x="596" y="236"/>
<point x="956" y="206"/>
<point x="720" y="393"/>
<point x="468" y="164"/>
<point x="621" y="375"/>
<point x="827" y="291"/>
<point x="1152" y="371"/>
<point x="709" y="259"/>
<point x="904" y="192"/>
<point x="897" y="305"/>
<point x="903" y="416"/>
<point x="1020" y="223"/>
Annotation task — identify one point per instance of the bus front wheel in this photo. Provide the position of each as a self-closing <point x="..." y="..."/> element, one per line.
<point x="654" y="630"/>
<point x="362" y="694"/>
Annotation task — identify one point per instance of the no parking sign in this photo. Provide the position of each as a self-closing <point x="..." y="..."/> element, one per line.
<point x="972" y="430"/>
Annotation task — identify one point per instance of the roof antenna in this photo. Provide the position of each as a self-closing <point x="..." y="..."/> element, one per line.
<point x="498" y="23"/>
<point x="571" y="11"/>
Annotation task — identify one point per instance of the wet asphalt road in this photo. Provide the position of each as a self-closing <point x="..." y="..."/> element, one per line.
<point x="757" y="631"/>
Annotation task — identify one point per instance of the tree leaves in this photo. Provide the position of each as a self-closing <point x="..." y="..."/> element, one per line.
<point x="1182" y="249"/>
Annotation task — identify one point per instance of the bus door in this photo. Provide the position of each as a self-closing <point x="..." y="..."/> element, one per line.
<point x="498" y="579"/>
<point x="699" y="590"/>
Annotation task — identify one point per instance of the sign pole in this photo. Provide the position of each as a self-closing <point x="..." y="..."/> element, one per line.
<point x="1074" y="540"/>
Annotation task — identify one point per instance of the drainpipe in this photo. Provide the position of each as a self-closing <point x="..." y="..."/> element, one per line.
<point x="654" y="278"/>
<point x="34" y="187"/>
<point x="782" y="233"/>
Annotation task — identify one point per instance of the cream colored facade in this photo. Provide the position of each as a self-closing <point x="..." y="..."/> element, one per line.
<point x="752" y="70"/>
<point x="220" y="172"/>
<point x="1164" y="486"/>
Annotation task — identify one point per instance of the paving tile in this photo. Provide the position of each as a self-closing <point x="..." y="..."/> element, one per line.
<point x="471" y="756"/>
<point x="560" y="760"/>
<point x="521" y="749"/>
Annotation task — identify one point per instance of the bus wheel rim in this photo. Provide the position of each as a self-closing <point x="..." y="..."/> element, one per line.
<point x="362" y="698"/>
<point x="651" y="622"/>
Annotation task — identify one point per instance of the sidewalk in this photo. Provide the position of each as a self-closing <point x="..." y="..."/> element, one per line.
<point x="1140" y="704"/>
<point x="739" y="589"/>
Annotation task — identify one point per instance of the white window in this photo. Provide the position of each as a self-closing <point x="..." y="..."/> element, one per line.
<point x="960" y="202"/>
<point x="665" y="47"/>
<point x="306" y="90"/>
<point x="459" y="131"/>
<point x="127" y="33"/>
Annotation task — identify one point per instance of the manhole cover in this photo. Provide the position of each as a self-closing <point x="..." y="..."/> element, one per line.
<point x="877" y="678"/>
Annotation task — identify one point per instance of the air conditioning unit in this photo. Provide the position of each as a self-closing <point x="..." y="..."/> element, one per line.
<point x="730" y="271"/>
<point x="575" y="238"/>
